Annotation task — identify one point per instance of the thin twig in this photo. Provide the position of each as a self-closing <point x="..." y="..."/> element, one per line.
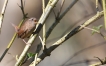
<point x="62" y="3"/>
<point x="44" y="26"/>
<point x="24" y="4"/>
<point x="22" y="9"/>
<point x="97" y="9"/>
<point x="44" y="33"/>
<point x="43" y="6"/>
<point x="95" y="31"/>
<point x="36" y="55"/>
<point x="2" y="13"/>
<point x="68" y="35"/>
<point x="54" y="14"/>
<point x="58" y="14"/>
<point x="90" y="29"/>
<point x="42" y="42"/>
<point x="104" y="10"/>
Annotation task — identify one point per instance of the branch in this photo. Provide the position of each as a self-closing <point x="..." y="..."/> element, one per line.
<point x="42" y="42"/>
<point x="97" y="9"/>
<point x="102" y="62"/>
<point x="44" y="26"/>
<point x="62" y="3"/>
<point x="104" y="9"/>
<point x="41" y="21"/>
<point x="68" y="35"/>
<point x="2" y="13"/>
<point x="96" y="64"/>
<point x="22" y="9"/>
<point x="43" y="5"/>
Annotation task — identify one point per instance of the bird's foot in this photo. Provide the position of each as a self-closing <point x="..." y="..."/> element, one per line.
<point x="26" y="42"/>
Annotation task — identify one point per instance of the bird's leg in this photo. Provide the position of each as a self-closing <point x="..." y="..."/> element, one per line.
<point x="25" y="42"/>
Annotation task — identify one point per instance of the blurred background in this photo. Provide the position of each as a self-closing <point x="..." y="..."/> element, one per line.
<point x="79" y="50"/>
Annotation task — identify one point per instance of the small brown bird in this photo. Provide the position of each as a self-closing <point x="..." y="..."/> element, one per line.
<point x="26" y="29"/>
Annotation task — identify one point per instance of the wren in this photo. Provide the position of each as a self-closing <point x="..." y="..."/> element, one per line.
<point x="26" y="29"/>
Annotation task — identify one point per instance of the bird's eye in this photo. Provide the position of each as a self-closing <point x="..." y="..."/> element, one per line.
<point x="32" y="19"/>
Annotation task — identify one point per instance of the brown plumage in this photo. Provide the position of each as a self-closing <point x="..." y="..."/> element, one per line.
<point x="27" y="28"/>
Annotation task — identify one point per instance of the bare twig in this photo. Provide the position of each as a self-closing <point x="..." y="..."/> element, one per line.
<point x="43" y="44"/>
<point x="22" y="9"/>
<point x="104" y="10"/>
<point x="24" y="4"/>
<point x="41" y="21"/>
<point x="2" y="13"/>
<point x="58" y="14"/>
<point x="68" y="35"/>
<point x="44" y="26"/>
<point x="54" y="14"/>
<point x="90" y="29"/>
<point x="95" y="31"/>
<point x="43" y="6"/>
<point x="36" y="55"/>
<point x="97" y="9"/>
<point x="102" y="62"/>
<point x="62" y="3"/>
